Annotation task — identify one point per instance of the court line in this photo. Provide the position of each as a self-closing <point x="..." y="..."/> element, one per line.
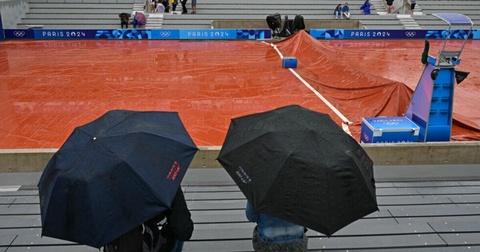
<point x="345" y="121"/>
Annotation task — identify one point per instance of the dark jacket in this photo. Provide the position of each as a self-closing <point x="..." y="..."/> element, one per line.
<point x="124" y="17"/>
<point x="179" y="223"/>
<point x="179" y="226"/>
<point x="338" y="8"/>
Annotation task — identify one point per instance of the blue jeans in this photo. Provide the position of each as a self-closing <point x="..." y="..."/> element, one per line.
<point x="135" y="23"/>
<point x="268" y="246"/>
<point x="338" y="13"/>
<point x="179" y="246"/>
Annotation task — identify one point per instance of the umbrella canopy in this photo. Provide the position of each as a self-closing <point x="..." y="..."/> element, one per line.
<point x="299" y="165"/>
<point x="113" y="174"/>
<point x="141" y="18"/>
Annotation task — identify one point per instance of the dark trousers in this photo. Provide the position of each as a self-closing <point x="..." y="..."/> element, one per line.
<point x="184" y="6"/>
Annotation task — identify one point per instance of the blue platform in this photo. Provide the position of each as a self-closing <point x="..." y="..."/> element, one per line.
<point x="289" y="62"/>
<point x="389" y="130"/>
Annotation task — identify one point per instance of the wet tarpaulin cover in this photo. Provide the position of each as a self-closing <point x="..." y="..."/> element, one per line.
<point x="369" y="79"/>
<point x="48" y="87"/>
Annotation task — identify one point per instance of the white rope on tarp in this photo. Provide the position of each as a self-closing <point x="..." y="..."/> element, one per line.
<point x="345" y="121"/>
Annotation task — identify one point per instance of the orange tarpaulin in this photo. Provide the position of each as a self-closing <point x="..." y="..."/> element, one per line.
<point x="47" y="88"/>
<point x="355" y="93"/>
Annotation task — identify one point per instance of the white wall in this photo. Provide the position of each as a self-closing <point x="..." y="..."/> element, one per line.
<point x="12" y="11"/>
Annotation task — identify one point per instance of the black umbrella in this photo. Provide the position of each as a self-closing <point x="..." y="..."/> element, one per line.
<point x="113" y="174"/>
<point x="299" y="165"/>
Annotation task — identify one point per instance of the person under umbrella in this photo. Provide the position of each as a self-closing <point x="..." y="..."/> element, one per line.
<point x="299" y="165"/>
<point x="139" y="19"/>
<point x="179" y="225"/>
<point x="176" y="227"/>
<point x="113" y="174"/>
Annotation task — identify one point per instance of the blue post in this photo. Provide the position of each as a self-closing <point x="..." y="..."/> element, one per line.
<point x="2" y="36"/>
<point x="431" y="106"/>
<point x="441" y="107"/>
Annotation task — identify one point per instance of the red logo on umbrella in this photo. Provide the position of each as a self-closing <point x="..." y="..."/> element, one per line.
<point x="172" y="174"/>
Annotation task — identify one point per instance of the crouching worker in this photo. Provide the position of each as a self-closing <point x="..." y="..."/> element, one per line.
<point x="275" y="234"/>
<point x="124" y="19"/>
<point x="166" y="232"/>
<point x="139" y="19"/>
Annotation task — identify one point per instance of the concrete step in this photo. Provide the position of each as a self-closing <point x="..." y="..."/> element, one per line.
<point x="71" y="16"/>
<point x="28" y="21"/>
<point x="78" y="6"/>
<point x="154" y="20"/>
<point x="408" y="22"/>
<point x="54" y="12"/>
<point x="74" y="26"/>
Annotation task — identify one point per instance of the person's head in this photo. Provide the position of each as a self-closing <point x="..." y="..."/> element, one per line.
<point x="346" y="3"/>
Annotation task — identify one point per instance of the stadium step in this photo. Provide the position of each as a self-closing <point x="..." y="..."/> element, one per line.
<point x="154" y="21"/>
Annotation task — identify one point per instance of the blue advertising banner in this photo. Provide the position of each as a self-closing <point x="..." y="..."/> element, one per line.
<point x="175" y="34"/>
<point x="231" y="34"/>
<point x="124" y="34"/>
<point x="18" y="34"/>
<point x="225" y="34"/>
<point x="392" y="34"/>
<point x="63" y="34"/>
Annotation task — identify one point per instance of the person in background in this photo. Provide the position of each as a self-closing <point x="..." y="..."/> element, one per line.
<point x="389" y="6"/>
<point x="174" y="6"/>
<point x="346" y="10"/>
<point x="124" y="17"/>
<point x="153" y="5"/>
<point x="412" y="6"/>
<point x="166" y="5"/>
<point x="184" y="6"/>
<point x="275" y="234"/>
<point x="338" y="11"/>
<point x="160" y="8"/>
<point x="194" y="6"/>
<point x="138" y="19"/>
<point x="366" y="7"/>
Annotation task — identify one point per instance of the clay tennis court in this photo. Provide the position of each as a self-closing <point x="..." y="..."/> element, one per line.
<point x="48" y="87"/>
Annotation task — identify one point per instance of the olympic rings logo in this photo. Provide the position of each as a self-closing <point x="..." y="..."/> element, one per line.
<point x="165" y="34"/>
<point x="19" y="33"/>
<point x="410" y="34"/>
